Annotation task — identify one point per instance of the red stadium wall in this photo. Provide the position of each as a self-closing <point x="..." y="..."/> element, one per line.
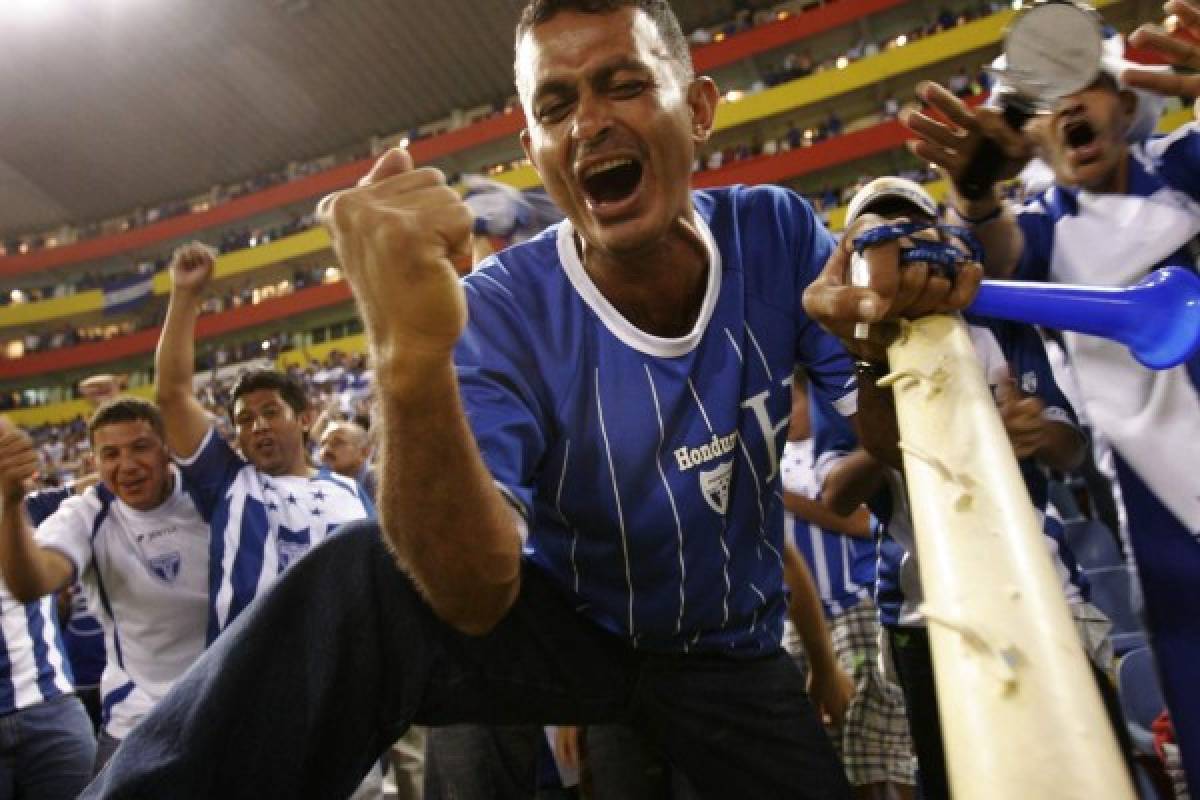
<point x="143" y="342"/>
<point x="707" y="57"/>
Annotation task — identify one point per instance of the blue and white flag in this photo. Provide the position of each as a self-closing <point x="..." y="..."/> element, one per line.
<point x="127" y="293"/>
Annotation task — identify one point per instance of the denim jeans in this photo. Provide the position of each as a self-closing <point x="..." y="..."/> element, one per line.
<point x="320" y="675"/>
<point x="624" y="766"/>
<point x="46" y="751"/>
<point x="482" y="762"/>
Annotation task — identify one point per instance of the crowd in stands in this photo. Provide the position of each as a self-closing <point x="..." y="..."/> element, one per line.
<point x="793" y="65"/>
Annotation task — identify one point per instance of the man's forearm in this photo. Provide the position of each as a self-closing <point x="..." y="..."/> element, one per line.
<point x="857" y="523"/>
<point x="450" y="527"/>
<point x="996" y="228"/>
<point x="852" y="480"/>
<point x="175" y="358"/>
<point x="806" y="612"/>
<point x="876" y="425"/>
<point x="184" y="418"/>
<point x="29" y="572"/>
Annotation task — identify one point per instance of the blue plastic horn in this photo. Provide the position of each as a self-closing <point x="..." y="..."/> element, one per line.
<point x="1158" y="319"/>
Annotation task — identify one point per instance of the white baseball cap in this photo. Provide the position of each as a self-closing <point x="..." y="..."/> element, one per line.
<point x="889" y="187"/>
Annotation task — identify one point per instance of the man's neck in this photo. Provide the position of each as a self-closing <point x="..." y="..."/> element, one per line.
<point x="659" y="290"/>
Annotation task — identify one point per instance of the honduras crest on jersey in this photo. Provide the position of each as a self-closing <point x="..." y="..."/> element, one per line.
<point x="165" y="567"/>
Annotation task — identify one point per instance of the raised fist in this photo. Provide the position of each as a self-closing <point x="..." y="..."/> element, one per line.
<point x="191" y="267"/>
<point x="18" y="461"/>
<point x="403" y="238"/>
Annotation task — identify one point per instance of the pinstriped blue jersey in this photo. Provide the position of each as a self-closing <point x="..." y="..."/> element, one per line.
<point x="261" y="523"/>
<point x="647" y="468"/>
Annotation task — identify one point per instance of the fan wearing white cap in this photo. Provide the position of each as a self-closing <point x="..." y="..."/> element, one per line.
<point x="1044" y="433"/>
<point x="1123" y="203"/>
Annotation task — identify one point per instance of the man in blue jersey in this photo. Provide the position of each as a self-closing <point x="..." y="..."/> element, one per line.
<point x="266" y="503"/>
<point x="138" y="546"/>
<point x="1123" y="203"/>
<point x="580" y="489"/>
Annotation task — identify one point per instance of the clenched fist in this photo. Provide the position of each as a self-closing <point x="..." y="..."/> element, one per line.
<point x="403" y="238"/>
<point x="191" y="267"/>
<point x="18" y="461"/>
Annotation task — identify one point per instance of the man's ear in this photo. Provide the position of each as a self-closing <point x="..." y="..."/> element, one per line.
<point x="307" y="417"/>
<point x="526" y="143"/>
<point x="1129" y="104"/>
<point x="703" y="97"/>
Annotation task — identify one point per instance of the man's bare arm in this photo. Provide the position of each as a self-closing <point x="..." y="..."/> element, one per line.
<point x="402" y="237"/>
<point x="185" y="419"/>
<point x="857" y="523"/>
<point x="29" y="571"/>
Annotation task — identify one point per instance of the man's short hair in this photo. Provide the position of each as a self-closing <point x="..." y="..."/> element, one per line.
<point x="254" y="379"/>
<point x="538" y="11"/>
<point x="124" y="408"/>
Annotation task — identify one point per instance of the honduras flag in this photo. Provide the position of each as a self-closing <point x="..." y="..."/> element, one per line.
<point x="127" y="294"/>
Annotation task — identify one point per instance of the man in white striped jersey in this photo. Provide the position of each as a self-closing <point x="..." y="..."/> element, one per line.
<point x="579" y="478"/>
<point x="266" y="504"/>
<point x="46" y="743"/>
<point x="137" y="544"/>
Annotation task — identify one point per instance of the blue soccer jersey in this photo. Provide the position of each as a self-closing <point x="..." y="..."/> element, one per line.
<point x="261" y="523"/>
<point x="647" y="468"/>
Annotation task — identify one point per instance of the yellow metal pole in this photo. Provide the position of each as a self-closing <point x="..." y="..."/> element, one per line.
<point x="1021" y="715"/>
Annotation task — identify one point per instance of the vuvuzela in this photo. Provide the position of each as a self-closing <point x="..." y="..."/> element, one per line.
<point x="1021" y="714"/>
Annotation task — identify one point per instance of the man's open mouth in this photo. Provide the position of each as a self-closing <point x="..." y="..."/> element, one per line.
<point x="612" y="180"/>
<point x="1079" y="133"/>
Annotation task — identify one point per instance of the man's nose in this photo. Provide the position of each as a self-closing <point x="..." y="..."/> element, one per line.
<point x="259" y="424"/>
<point x="593" y="118"/>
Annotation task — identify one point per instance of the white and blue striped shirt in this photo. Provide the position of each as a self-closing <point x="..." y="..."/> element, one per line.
<point x="33" y="663"/>
<point x="261" y="523"/>
<point x="647" y="468"/>
<point x="841" y="565"/>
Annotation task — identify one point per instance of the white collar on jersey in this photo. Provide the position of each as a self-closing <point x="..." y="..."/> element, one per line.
<point x="622" y="328"/>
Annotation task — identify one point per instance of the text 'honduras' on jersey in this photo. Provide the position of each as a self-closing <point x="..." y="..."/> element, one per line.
<point x="647" y="468"/>
<point x="261" y="523"/>
<point x="146" y="578"/>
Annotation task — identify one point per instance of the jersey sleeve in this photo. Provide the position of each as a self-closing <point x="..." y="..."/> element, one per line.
<point x="69" y="531"/>
<point x="829" y="366"/>
<point x="209" y="472"/>
<point x="1176" y="158"/>
<point x="1037" y="229"/>
<point x="40" y="505"/>
<point x="498" y="381"/>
